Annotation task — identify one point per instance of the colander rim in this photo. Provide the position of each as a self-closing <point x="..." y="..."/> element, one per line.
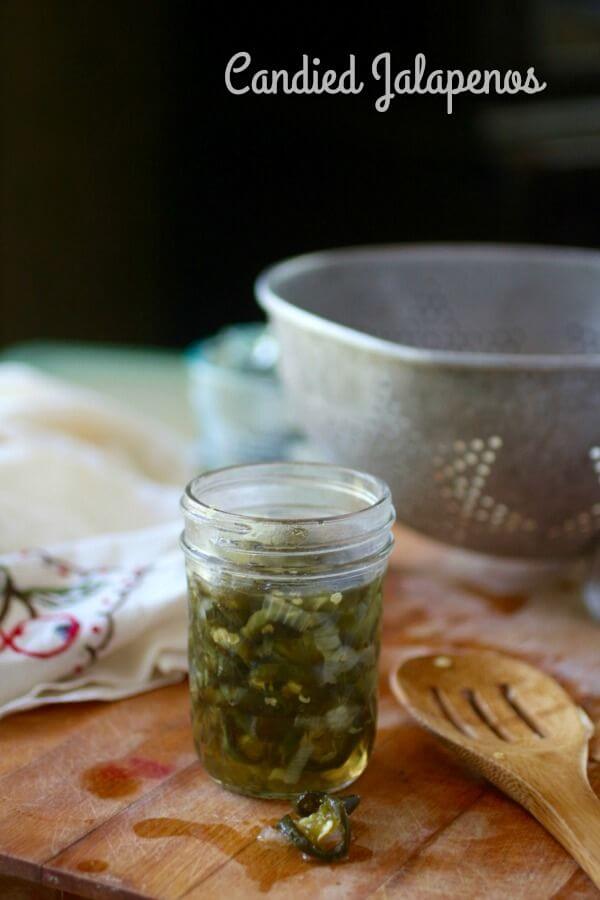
<point x="273" y="303"/>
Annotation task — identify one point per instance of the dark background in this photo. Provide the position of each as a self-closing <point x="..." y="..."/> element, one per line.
<point x="139" y="199"/>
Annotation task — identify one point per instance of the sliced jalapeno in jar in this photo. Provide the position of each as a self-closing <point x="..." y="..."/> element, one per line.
<point x="284" y="699"/>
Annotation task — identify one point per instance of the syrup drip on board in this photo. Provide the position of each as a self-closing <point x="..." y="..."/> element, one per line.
<point x="261" y="867"/>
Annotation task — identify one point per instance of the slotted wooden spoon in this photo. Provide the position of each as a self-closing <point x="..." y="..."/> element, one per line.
<point x="520" y="729"/>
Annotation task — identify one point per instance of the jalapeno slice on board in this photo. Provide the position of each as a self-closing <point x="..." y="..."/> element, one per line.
<point x="323" y="829"/>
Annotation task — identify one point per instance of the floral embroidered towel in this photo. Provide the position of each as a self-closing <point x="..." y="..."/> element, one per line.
<point x="92" y="586"/>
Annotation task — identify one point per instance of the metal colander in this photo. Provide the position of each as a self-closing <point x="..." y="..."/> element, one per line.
<point x="467" y="376"/>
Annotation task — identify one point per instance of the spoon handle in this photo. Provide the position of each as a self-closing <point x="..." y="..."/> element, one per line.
<point x="570" y="810"/>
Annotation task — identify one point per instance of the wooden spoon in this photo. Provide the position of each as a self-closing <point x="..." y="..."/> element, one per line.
<point x="520" y="729"/>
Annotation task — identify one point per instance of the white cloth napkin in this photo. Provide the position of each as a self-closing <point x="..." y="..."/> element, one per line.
<point x="92" y="583"/>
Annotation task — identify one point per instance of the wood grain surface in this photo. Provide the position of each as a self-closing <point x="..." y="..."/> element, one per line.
<point x="108" y="800"/>
<point x="517" y="727"/>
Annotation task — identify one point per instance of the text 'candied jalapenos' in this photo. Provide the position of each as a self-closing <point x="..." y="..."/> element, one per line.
<point x="284" y="685"/>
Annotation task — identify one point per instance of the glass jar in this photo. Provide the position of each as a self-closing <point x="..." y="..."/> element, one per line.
<point x="285" y="564"/>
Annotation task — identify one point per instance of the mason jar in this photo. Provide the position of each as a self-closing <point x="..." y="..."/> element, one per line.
<point x="285" y="563"/>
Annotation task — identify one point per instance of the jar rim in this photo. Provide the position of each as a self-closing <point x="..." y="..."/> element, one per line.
<point x="370" y="485"/>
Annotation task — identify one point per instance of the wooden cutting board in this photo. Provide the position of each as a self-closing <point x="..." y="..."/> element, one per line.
<point x="107" y="800"/>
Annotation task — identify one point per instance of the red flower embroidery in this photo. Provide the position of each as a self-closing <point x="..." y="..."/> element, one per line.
<point x="56" y="639"/>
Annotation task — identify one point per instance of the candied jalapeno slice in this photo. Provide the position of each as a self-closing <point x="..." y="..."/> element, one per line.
<point x="323" y="831"/>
